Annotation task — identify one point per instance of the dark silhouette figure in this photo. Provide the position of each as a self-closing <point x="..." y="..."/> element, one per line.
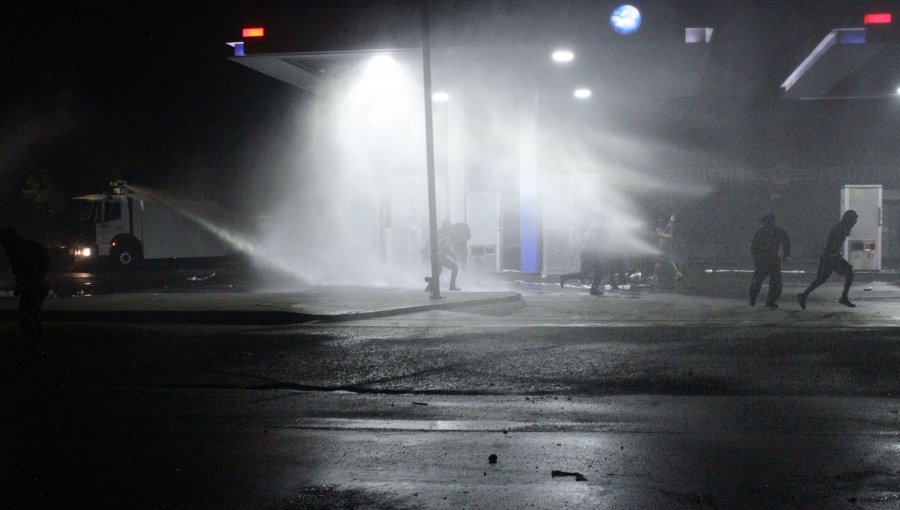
<point x="445" y="251"/>
<point x="591" y="261"/>
<point x="669" y="246"/>
<point x="619" y="267"/>
<point x="30" y="263"/>
<point x="766" y="260"/>
<point x="460" y="234"/>
<point x="832" y="261"/>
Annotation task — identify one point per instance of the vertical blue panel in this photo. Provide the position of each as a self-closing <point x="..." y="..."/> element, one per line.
<point x="528" y="234"/>
<point x="529" y="191"/>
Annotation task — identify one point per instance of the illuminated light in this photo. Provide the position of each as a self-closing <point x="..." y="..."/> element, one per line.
<point x="625" y="19"/>
<point x="898" y="90"/>
<point x="86" y="252"/>
<point x="113" y="243"/>
<point x="379" y="96"/>
<point x="563" y="56"/>
<point x="382" y="75"/>
<point x="881" y="18"/>
<point x="698" y="35"/>
<point x="253" y="32"/>
<point x="383" y="61"/>
<point x="582" y="93"/>
<point x="440" y="97"/>
<point x="238" y="48"/>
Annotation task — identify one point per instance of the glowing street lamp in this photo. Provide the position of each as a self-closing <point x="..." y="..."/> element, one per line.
<point x="582" y="93"/>
<point x="563" y="56"/>
<point x="440" y="97"/>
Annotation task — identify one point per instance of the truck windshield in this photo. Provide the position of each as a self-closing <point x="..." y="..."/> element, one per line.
<point x="89" y="212"/>
<point x="112" y="211"/>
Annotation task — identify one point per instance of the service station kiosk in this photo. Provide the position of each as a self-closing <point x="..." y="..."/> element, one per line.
<point x="863" y="246"/>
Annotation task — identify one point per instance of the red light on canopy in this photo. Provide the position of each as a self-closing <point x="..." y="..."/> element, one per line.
<point x="881" y="18"/>
<point x="253" y="32"/>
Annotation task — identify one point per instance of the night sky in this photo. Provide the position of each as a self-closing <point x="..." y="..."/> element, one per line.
<point x="145" y="90"/>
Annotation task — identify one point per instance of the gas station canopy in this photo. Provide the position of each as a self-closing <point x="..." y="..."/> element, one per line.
<point x="669" y="57"/>
<point x="645" y="70"/>
<point x="850" y="63"/>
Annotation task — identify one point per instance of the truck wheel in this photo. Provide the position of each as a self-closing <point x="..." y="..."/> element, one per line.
<point x="127" y="257"/>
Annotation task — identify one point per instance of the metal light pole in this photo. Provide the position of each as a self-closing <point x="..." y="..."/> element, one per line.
<point x="429" y="154"/>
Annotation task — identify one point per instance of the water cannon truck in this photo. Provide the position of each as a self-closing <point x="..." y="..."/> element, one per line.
<point x="130" y="226"/>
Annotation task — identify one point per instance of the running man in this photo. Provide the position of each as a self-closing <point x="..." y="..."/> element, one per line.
<point x="832" y="261"/>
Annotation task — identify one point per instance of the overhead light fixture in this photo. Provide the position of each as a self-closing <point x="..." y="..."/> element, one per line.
<point x="582" y="93"/>
<point x="563" y="56"/>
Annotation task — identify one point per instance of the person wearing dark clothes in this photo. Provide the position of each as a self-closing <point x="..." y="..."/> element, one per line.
<point x="591" y="263"/>
<point x="30" y="263"/>
<point x="766" y="260"/>
<point x="445" y="250"/>
<point x="619" y="268"/>
<point x="668" y="245"/>
<point x="460" y="234"/>
<point x="585" y="268"/>
<point x="832" y="261"/>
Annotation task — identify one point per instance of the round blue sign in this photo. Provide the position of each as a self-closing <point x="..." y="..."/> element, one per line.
<point x="626" y="19"/>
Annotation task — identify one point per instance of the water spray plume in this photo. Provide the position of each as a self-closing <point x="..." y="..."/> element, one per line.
<point x="240" y="242"/>
<point x="355" y="208"/>
<point x="353" y="216"/>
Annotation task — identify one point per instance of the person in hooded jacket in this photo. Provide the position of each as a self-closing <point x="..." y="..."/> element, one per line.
<point x="832" y="261"/>
<point x="765" y="247"/>
<point x="30" y="263"/>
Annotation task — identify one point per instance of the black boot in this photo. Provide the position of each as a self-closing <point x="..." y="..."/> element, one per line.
<point x="846" y="302"/>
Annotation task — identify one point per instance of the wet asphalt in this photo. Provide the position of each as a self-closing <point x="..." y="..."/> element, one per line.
<point x="765" y="410"/>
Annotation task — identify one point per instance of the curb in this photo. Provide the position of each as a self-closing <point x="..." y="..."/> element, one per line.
<point x="244" y="317"/>
<point x="511" y="298"/>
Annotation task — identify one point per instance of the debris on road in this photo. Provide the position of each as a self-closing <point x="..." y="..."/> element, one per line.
<point x="200" y="278"/>
<point x="492" y="459"/>
<point x="420" y="403"/>
<point x="578" y="476"/>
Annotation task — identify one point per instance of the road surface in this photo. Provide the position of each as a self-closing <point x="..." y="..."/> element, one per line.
<point x="680" y="402"/>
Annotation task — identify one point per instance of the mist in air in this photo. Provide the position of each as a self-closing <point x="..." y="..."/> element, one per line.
<point x="354" y="208"/>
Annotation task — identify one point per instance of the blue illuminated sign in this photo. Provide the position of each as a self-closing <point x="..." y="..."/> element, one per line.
<point x="626" y="19"/>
